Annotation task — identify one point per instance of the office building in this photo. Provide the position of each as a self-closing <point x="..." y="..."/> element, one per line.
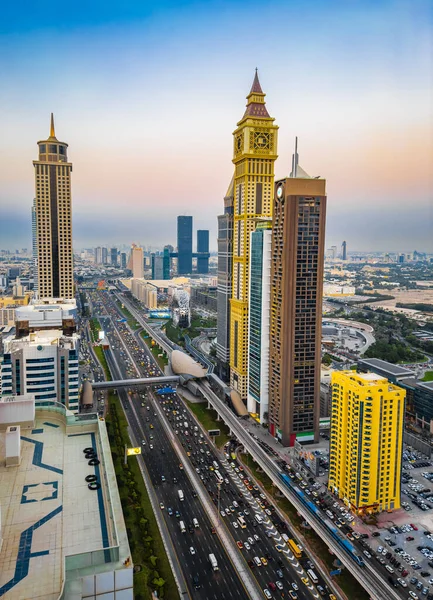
<point x="184" y="245"/>
<point x="254" y="155"/>
<point x="35" y="249"/>
<point x="166" y="262"/>
<point x="298" y="236"/>
<point x="104" y="256"/>
<point x="113" y="257"/>
<point x="225" y="262"/>
<point x="367" y="418"/>
<point x="60" y="539"/>
<point x="136" y="262"/>
<point x="54" y="219"/>
<point x="259" y="304"/>
<point x="41" y="357"/>
<point x="123" y="260"/>
<point x="203" y="251"/>
<point x="98" y="255"/>
<point x="157" y="265"/>
<point x="344" y="251"/>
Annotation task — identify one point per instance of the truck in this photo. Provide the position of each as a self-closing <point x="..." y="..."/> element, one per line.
<point x="213" y="561"/>
<point x="181" y="496"/>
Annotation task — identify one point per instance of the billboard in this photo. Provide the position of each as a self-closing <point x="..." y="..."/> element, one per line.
<point x="133" y="451"/>
<point x="213" y="432"/>
<point x="101" y="335"/>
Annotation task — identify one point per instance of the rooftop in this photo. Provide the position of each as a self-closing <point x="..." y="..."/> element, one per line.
<point x="386" y="367"/>
<point x="60" y="538"/>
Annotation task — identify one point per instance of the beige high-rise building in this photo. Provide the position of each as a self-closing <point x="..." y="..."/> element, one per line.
<point x="137" y="262"/>
<point x="53" y="219"/>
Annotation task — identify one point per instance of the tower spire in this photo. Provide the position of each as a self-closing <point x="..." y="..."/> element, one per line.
<point x="256" y="88"/>
<point x="52" y="130"/>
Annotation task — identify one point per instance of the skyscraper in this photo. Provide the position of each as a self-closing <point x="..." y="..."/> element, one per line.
<point x="258" y="326"/>
<point x="296" y="306"/>
<point x="98" y="255"/>
<point x="104" y="256"/>
<point x="166" y="262"/>
<point x="184" y="245"/>
<point x="157" y="266"/>
<point x="123" y="260"/>
<point x="35" y="249"/>
<point x="113" y="256"/>
<point x="367" y="421"/>
<point x="202" y="251"/>
<point x="225" y="262"/>
<point x="344" y="251"/>
<point x="254" y="154"/>
<point x="54" y="219"/>
<point x="136" y="262"/>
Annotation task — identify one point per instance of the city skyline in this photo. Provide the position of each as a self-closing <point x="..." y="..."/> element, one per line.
<point x="366" y="130"/>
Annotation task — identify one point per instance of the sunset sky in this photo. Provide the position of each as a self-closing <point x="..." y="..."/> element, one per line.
<point x="147" y="95"/>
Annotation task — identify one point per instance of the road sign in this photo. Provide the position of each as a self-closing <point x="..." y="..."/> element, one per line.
<point x="214" y="432"/>
<point x="335" y="572"/>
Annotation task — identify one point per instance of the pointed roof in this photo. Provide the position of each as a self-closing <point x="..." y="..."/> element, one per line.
<point x="52" y="130"/>
<point x="256" y="88"/>
<point x="256" y="101"/>
<point x="230" y="189"/>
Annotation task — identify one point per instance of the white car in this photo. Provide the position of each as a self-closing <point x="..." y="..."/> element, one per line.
<point x="256" y="537"/>
<point x="251" y="541"/>
<point x="247" y="546"/>
<point x="223" y="513"/>
<point x="279" y="584"/>
<point x="235" y="525"/>
<point x="191" y="550"/>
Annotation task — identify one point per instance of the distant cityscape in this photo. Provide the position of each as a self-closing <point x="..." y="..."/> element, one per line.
<point x="284" y="389"/>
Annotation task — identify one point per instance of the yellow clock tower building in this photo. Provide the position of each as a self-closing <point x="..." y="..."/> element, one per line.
<point x="254" y="155"/>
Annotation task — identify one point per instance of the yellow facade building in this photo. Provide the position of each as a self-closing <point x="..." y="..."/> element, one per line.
<point x="254" y="155"/>
<point x="366" y="441"/>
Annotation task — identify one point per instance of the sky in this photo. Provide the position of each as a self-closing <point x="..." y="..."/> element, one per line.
<point x="147" y="95"/>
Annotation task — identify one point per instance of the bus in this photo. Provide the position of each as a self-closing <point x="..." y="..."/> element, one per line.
<point x="242" y="523"/>
<point x="312" y="575"/>
<point x="295" y="548"/>
<point x="213" y="562"/>
<point x="219" y="477"/>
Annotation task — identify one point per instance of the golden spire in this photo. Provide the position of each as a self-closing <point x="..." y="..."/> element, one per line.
<point x="52" y="131"/>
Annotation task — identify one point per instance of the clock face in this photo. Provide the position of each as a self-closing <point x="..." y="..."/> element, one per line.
<point x="280" y="191"/>
<point x="261" y="140"/>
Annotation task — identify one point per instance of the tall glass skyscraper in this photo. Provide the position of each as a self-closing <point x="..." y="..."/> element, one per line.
<point x="184" y="245"/>
<point x="202" y="251"/>
<point x="258" y="325"/>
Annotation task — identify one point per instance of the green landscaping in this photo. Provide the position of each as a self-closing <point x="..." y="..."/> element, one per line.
<point x="428" y="376"/>
<point x="132" y="322"/>
<point x="101" y="357"/>
<point x="175" y="334"/>
<point x="207" y="418"/>
<point x="95" y="327"/>
<point x="156" y="350"/>
<point x="347" y="583"/>
<point x="146" y="545"/>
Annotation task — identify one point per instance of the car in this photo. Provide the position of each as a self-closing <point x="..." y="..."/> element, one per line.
<point x="143" y="442"/>
<point x="223" y="513"/>
<point x="247" y="546"/>
<point x="212" y="530"/>
<point x="295" y="586"/>
<point x="402" y="582"/>
<point x="367" y="554"/>
<point x="413" y="595"/>
<point x="267" y="593"/>
<point x="279" y="584"/>
<point x="272" y="585"/>
<point x="251" y="541"/>
<point x="235" y="525"/>
<point x="251" y="564"/>
<point x="150" y="446"/>
<point x="375" y="534"/>
<point x="293" y="595"/>
<point x="264" y="560"/>
<point x="177" y="514"/>
<point x="409" y="538"/>
<point x="256" y="537"/>
<point x="169" y="510"/>
<point x="279" y="547"/>
<point x="191" y="550"/>
<point x="239" y="544"/>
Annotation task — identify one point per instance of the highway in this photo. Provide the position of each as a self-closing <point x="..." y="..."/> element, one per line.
<point x="162" y="461"/>
<point x="372" y="577"/>
<point x="277" y="569"/>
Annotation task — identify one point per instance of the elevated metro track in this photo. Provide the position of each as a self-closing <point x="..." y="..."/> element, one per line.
<point x="368" y="577"/>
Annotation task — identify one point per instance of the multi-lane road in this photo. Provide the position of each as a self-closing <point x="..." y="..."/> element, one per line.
<point x="277" y="570"/>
